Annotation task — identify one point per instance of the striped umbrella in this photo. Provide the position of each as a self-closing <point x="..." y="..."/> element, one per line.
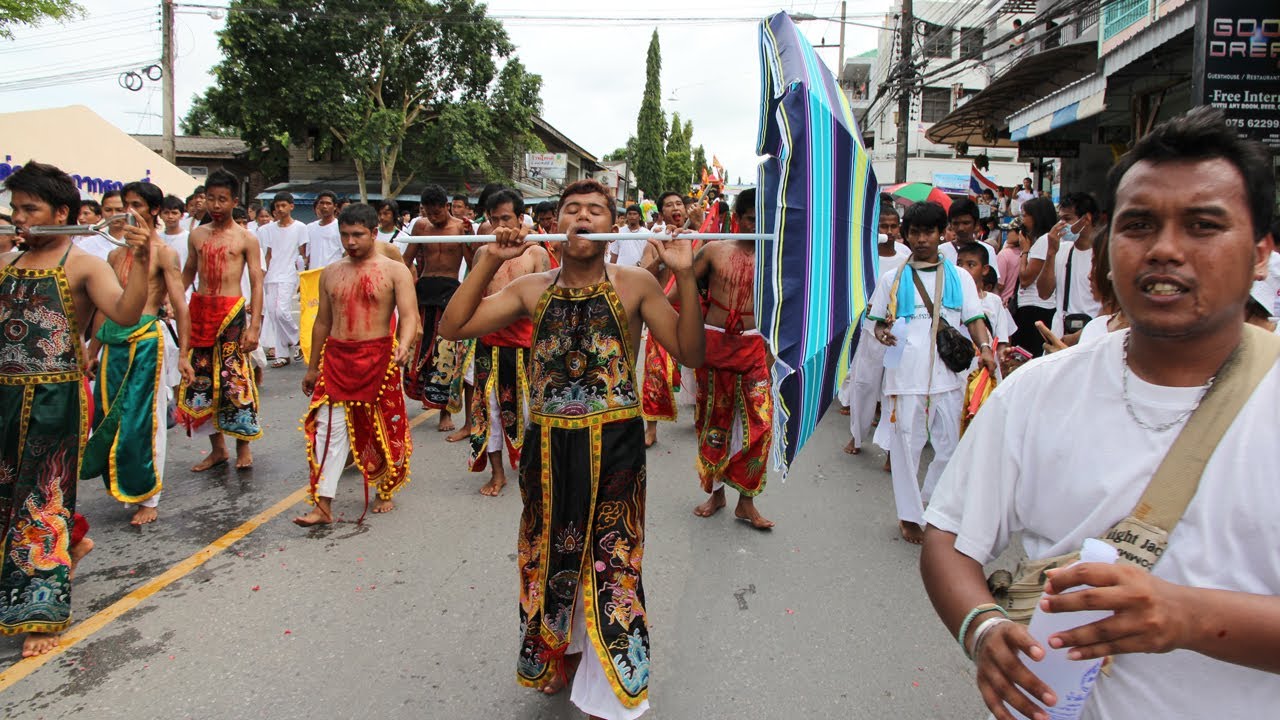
<point x="913" y="192"/>
<point x="818" y="194"/>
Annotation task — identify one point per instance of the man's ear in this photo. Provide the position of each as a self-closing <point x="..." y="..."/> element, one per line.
<point x="1262" y="256"/>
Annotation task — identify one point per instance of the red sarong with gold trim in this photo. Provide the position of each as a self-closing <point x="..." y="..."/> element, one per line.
<point x="223" y="390"/>
<point x="362" y="376"/>
<point x="661" y="377"/>
<point x="501" y="363"/>
<point x="733" y="416"/>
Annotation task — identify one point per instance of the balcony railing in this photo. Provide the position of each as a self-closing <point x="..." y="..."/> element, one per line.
<point x="1120" y="14"/>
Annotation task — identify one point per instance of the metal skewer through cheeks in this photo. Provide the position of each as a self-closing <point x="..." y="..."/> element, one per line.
<point x="99" y="228"/>
<point x="598" y="237"/>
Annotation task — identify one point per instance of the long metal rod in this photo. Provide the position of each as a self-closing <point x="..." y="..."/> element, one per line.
<point x="98" y="228"/>
<point x="598" y="237"/>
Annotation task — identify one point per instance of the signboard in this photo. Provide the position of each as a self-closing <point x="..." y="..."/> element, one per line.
<point x="1237" y="66"/>
<point x="951" y="183"/>
<point x="546" y="166"/>
<point x="607" y="178"/>
<point x="1036" y="148"/>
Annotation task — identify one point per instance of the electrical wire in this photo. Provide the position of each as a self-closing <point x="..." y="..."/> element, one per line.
<point x="73" y="77"/>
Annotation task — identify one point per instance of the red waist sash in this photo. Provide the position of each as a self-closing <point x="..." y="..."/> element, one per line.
<point x="518" y="334"/>
<point x="207" y="315"/>
<point x="735" y="352"/>
<point x="353" y="370"/>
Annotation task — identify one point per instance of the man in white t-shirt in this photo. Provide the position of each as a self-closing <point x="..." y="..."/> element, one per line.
<point x="324" y="245"/>
<point x="628" y="251"/>
<point x="923" y="397"/>
<point x="964" y="223"/>
<point x="91" y="213"/>
<point x="388" y="230"/>
<point x="172" y="233"/>
<point x="285" y="240"/>
<point x="1068" y="259"/>
<point x="1065" y="447"/>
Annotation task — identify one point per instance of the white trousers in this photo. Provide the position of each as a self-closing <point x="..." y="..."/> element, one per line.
<point x="592" y="692"/>
<point x="863" y="385"/>
<point x="911" y="429"/>
<point x="496" y="431"/>
<point x="335" y="458"/>
<point x="279" y="326"/>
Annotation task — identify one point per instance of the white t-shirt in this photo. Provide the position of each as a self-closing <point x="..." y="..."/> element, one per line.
<point x="1002" y="325"/>
<point x="1024" y="195"/>
<point x="325" y="244"/>
<point x="1054" y="455"/>
<point x="1081" y="300"/>
<point x="179" y="244"/>
<point x="901" y="253"/>
<point x="95" y="245"/>
<point x="283" y="242"/>
<point x="629" y="251"/>
<point x="948" y="251"/>
<point x="394" y="237"/>
<point x="1095" y="329"/>
<point x="911" y="376"/>
<point x="1030" y="296"/>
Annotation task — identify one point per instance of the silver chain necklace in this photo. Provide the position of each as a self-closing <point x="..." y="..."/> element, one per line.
<point x="1128" y="404"/>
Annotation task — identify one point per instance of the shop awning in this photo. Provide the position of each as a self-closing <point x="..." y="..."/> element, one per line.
<point x="1084" y="98"/>
<point x="980" y="122"/>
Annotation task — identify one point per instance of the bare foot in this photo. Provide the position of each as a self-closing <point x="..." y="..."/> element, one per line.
<point x="493" y="488"/>
<point x="558" y="683"/>
<point x="747" y="512"/>
<point x="462" y="433"/>
<point x="78" y="551"/>
<point x="852" y="448"/>
<point x="887" y="466"/>
<point x="383" y="506"/>
<point x="911" y="532"/>
<point x="38" y="644"/>
<point x="212" y="461"/>
<point x="319" y="515"/>
<point x="844" y="409"/>
<point x="711" y="505"/>
<point x="244" y="457"/>
<point x="446" y="422"/>
<point x="144" y="515"/>
<point x="650" y="434"/>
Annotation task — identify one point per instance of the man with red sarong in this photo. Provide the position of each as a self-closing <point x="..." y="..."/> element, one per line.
<point x="734" y="412"/>
<point x="223" y="397"/>
<point x="661" y="372"/>
<point x="500" y="404"/>
<point x="354" y="377"/>
<point x="49" y="291"/>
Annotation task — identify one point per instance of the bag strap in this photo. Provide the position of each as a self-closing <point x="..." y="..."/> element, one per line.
<point x="1178" y="477"/>
<point x="934" y="317"/>
<point x="1066" y="294"/>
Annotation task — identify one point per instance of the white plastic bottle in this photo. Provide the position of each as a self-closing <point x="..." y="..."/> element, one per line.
<point x="1072" y="681"/>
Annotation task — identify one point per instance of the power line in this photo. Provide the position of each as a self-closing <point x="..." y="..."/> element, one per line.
<point x="73" y="77"/>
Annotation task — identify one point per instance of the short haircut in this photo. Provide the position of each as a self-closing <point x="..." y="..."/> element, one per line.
<point x="172" y="202"/>
<point x="988" y="192"/>
<point x="502" y="197"/>
<point x="962" y="207"/>
<point x="1083" y="204"/>
<point x="48" y="183"/>
<point x="976" y="249"/>
<point x="434" y="196"/>
<point x="1102" y="270"/>
<point x="663" y="197"/>
<point x="463" y="198"/>
<point x="389" y="204"/>
<point x="360" y="214"/>
<point x="111" y="194"/>
<point x="152" y="195"/>
<point x="745" y="201"/>
<point x="1043" y="215"/>
<point x="238" y="214"/>
<point x="198" y="191"/>
<point x="887" y="206"/>
<point x="590" y="187"/>
<point x="546" y="206"/>
<point x="327" y="194"/>
<point x="927" y="215"/>
<point x="97" y="208"/>
<point x="223" y="179"/>
<point x="689" y="200"/>
<point x="989" y="278"/>
<point x="281" y="197"/>
<point x="635" y="209"/>
<point x="1203" y="134"/>
<point x="485" y="192"/>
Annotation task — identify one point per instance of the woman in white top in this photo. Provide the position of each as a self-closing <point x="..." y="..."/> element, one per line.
<point x="1039" y="218"/>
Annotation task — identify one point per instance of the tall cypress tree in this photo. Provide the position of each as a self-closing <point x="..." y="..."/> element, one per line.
<point x="651" y="126"/>
<point x="699" y="160"/>
<point x="677" y="168"/>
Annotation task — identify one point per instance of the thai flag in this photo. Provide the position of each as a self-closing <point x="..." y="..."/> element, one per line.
<point x="979" y="182"/>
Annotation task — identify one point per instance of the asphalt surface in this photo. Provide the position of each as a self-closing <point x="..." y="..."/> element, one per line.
<point x="413" y="614"/>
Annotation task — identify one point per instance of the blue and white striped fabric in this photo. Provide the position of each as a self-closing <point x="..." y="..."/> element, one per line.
<point x="818" y="194"/>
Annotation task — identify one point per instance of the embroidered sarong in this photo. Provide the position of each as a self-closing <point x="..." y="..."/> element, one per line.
<point x="362" y="376"/>
<point x="582" y="481"/>
<point x="435" y="376"/>
<point x="122" y="449"/>
<point x="661" y="378"/>
<point x="501" y="360"/>
<point x="43" y="424"/>
<point x="223" y="390"/>
<point x="734" y="403"/>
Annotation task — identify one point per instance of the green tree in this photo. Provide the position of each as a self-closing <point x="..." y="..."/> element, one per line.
<point x="699" y="161"/>
<point x="401" y="87"/>
<point x="650" y="126"/>
<point x="33" y="12"/>
<point x="677" y="166"/>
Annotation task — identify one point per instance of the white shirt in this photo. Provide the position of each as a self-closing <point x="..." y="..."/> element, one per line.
<point x="901" y="253"/>
<point x="1054" y="455"/>
<point x="1095" y="329"/>
<point x="1002" y="325"/>
<point x="628" y="250"/>
<point x="179" y="244"/>
<point x="325" y="244"/>
<point x="283" y="242"/>
<point x="1023" y="195"/>
<point x="948" y="251"/>
<point x="1030" y="296"/>
<point x="1081" y="299"/>
<point x="95" y="245"/>
<point x="911" y="376"/>
<point x="393" y="235"/>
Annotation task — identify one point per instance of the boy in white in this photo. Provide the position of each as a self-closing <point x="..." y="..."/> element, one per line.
<point x="923" y="397"/>
<point x="172" y="232"/>
<point x="1064" y="449"/>
<point x="973" y="259"/>
<point x="625" y="251"/>
<point x="863" y="385"/>
<point x="324" y="244"/>
<point x="284" y="241"/>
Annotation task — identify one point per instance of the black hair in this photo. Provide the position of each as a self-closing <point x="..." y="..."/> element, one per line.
<point x="198" y="191"/>
<point x="238" y="213"/>
<point x="990" y="279"/>
<point x="1203" y="134"/>
<point x="746" y="200"/>
<point x="111" y="194"/>
<point x="172" y="202"/>
<point x="97" y="207"/>
<point x="962" y="207"/>
<point x="361" y="214"/>
<point x="587" y="186"/>
<point x="327" y="194"/>
<point x="975" y="248"/>
<point x="223" y="179"/>
<point x="928" y="215"/>
<point x="485" y="192"/>
<point x="391" y="204"/>
<point x="635" y="209"/>
<point x="887" y="206"/>
<point x="1043" y="215"/>
<point x="48" y="183"/>
<point x="281" y="197"/>
<point x="434" y="196"/>
<point x="1083" y="203"/>
<point x="501" y="197"/>
<point x="465" y="200"/>
<point x="662" y="198"/>
<point x="546" y="206"/>
<point x="152" y="195"/>
<point x="989" y="191"/>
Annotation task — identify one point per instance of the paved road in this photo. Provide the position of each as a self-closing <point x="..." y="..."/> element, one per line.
<point x="413" y="614"/>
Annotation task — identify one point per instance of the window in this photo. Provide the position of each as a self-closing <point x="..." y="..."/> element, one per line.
<point x="935" y="103"/>
<point x="971" y="41"/>
<point x="937" y="40"/>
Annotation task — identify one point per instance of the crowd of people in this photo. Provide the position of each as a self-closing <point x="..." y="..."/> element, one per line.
<point x="557" y="360"/>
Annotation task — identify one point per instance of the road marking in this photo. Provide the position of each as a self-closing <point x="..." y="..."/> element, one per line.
<point x="82" y="631"/>
<point x="423" y="417"/>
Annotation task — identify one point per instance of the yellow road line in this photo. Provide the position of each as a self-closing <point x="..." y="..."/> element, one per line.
<point x="82" y="631"/>
<point x="423" y="417"/>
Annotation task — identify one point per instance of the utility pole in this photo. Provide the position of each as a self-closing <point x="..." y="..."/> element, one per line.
<point x="840" y="67"/>
<point x="168" y="146"/>
<point x="906" y="84"/>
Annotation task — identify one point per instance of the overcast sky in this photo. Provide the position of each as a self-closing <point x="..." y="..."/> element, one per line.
<point x="593" y="72"/>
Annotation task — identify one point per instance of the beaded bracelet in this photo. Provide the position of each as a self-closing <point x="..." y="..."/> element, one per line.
<point x="968" y="619"/>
